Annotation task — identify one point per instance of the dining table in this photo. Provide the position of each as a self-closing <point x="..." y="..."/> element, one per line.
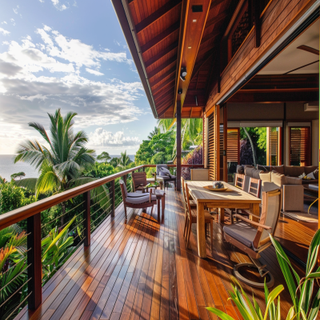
<point x="231" y="197"/>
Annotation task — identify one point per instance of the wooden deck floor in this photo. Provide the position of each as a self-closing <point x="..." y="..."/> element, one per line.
<point x="143" y="270"/>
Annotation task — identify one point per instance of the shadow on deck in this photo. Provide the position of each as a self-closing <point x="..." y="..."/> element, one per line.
<point x="143" y="270"/>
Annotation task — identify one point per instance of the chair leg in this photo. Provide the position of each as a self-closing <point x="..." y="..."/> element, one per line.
<point x="185" y="225"/>
<point x="189" y="232"/>
<point x="125" y="211"/>
<point x="151" y="210"/>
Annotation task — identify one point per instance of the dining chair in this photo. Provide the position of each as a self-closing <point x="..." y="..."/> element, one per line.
<point x="193" y="205"/>
<point x="192" y="218"/>
<point x="239" y="182"/>
<point x="253" y="237"/>
<point x="137" y="200"/>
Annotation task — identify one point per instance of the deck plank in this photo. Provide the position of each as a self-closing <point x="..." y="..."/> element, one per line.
<point x="143" y="270"/>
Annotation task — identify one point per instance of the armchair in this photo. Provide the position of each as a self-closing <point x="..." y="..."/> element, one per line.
<point x="253" y="237"/>
<point x="163" y="174"/>
<point x="136" y="199"/>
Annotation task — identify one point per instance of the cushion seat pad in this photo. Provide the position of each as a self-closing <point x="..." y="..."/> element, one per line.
<point x="242" y="232"/>
<point x="138" y="200"/>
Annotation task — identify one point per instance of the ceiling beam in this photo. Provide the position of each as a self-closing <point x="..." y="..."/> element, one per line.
<point x="160" y="54"/>
<point x="160" y="37"/>
<point x="160" y="94"/>
<point x="163" y="76"/>
<point x="164" y="65"/>
<point x="195" y="22"/>
<point x="163" y="85"/>
<point x="152" y="18"/>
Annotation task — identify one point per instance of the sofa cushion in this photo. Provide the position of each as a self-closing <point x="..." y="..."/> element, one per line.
<point x="293" y="180"/>
<point x="310" y="175"/>
<point x="308" y="169"/>
<point x="279" y="169"/>
<point x="240" y="169"/>
<point x="242" y="232"/>
<point x="316" y="173"/>
<point x="269" y="186"/>
<point x="265" y="176"/>
<point x="293" y="171"/>
<point x="252" y="172"/>
<point x="277" y="178"/>
<point x="263" y="168"/>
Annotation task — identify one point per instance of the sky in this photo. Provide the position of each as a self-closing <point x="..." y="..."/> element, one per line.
<point x="70" y="55"/>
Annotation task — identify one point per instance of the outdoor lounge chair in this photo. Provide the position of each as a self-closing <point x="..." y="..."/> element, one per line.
<point x="139" y="181"/>
<point x="253" y="237"/>
<point x="163" y="174"/>
<point x="136" y="200"/>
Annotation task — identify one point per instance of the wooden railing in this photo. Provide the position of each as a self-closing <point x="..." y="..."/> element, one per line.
<point x="32" y="214"/>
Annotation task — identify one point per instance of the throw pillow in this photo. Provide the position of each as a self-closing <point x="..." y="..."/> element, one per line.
<point x="316" y="173"/>
<point x="265" y="176"/>
<point x="302" y="176"/>
<point x="309" y="176"/>
<point x="165" y="171"/>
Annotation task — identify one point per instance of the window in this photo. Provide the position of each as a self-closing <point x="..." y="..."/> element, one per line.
<point x="300" y="149"/>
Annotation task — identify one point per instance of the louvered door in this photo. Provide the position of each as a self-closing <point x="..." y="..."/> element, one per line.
<point x="300" y="146"/>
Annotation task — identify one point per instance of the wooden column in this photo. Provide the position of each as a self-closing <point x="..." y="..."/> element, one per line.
<point x="178" y="174"/>
<point x="113" y="198"/>
<point x="34" y="258"/>
<point x="86" y="216"/>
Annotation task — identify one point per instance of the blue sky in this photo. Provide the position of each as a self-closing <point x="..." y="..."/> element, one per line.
<point x="70" y="55"/>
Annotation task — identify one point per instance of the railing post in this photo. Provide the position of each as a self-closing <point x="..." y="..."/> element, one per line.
<point x="113" y="199"/>
<point x="125" y="179"/>
<point x="34" y="260"/>
<point x="86" y="216"/>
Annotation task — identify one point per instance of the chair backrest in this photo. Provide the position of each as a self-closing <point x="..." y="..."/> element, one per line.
<point x="183" y="190"/>
<point x="199" y="174"/>
<point x="124" y="190"/>
<point x="158" y="166"/>
<point x="188" y="200"/>
<point x="270" y="214"/>
<point x="239" y="181"/>
<point x="139" y="179"/>
<point x="254" y="187"/>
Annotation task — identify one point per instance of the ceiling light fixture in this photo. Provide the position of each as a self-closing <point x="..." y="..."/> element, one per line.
<point x="194" y="20"/>
<point x="183" y="73"/>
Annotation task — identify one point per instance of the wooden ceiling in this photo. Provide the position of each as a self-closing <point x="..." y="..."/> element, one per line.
<point x="165" y="35"/>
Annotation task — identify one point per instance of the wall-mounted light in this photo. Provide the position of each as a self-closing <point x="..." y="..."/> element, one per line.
<point x="179" y="91"/>
<point x="183" y="73"/>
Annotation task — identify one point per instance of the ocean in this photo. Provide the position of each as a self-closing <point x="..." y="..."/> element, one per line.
<point x="8" y="167"/>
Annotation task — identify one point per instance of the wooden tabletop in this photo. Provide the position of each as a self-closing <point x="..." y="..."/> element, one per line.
<point x="232" y="195"/>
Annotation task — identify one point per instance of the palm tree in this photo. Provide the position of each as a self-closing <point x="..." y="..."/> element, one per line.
<point x="104" y="156"/>
<point x="153" y="133"/>
<point x="124" y="160"/>
<point x="63" y="161"/>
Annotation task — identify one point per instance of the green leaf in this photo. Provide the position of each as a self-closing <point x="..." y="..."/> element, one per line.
<point x="313" y="253"/>
<point x="313" y="313"/>
<point x="272" y="295"/>
<point x="290" y="314"/>
<point x="222" y="315"/>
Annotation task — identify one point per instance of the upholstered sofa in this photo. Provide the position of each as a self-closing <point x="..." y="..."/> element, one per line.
<point x="292" y="188"/>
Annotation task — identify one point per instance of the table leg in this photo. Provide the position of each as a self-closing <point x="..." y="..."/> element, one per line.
<point x="163" y="205"/>
<point x="256" y="211"/>
<point x="158" y="207"/>
<point x="201" y="232"/>
<point x="221" y="215"/>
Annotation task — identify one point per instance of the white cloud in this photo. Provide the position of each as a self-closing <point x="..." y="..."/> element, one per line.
<point x="96" y="73"/>
<point x="15" y="10"/>
<point x="42" y="1"/>
<point x="101" y="137"/>
<point x="4" y="32"/>
<point x="4" y="22"/>
<point x="38" y="78"/>
<point x="13" y="21"/>
<point x="59" y="6"/>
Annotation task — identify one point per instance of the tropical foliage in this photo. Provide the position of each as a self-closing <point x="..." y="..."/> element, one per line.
<point x="304" y="292"/>
<point x="63" y="160"/>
